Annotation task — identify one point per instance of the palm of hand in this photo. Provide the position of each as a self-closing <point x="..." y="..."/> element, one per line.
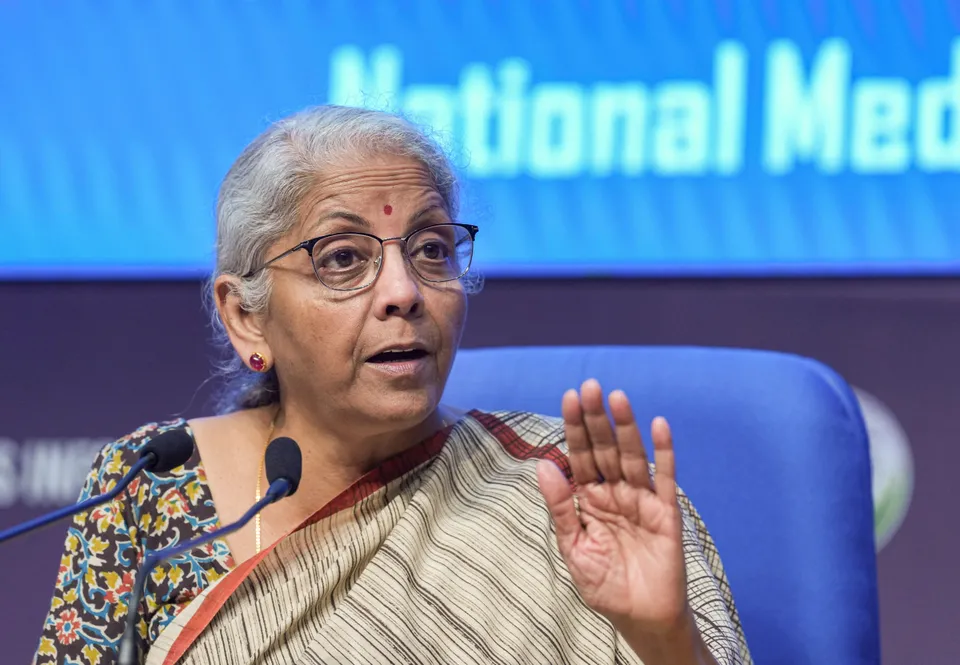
<point x="624" y="547"/>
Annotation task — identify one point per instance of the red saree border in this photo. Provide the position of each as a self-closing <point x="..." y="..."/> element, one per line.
<point x="374" y="480"/>
<point x="517" y="447"/>
<point x="382" y="475"/>
<point x="210" y="605"/>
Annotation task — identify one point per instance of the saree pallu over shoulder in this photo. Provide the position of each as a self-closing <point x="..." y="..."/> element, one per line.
<point x="445" y="554"/>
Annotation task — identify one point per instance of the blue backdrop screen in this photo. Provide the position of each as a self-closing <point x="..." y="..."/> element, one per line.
<point x="615" y="137"/>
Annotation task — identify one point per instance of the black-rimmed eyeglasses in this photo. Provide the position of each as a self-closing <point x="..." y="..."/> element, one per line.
<point x="351" y="260"/>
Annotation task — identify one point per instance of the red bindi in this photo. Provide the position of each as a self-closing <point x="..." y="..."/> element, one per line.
<point x="387" y="209"/>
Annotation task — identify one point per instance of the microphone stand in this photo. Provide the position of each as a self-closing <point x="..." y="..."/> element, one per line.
<point x="147" y="460"/>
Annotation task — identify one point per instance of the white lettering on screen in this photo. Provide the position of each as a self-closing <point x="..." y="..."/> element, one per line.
<point x="814" y="112"/>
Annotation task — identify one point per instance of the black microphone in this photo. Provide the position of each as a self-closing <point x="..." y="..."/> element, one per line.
<point x="284" y="466"/>
<point x="163" y="452"/>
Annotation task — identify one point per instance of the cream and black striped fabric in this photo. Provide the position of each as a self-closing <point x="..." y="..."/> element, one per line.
<point x="446" y="555"/>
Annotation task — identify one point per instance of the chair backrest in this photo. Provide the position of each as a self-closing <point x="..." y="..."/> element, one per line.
<point x="772" y="450"/>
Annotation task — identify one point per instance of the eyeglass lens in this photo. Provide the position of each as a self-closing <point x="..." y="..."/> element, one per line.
<point x="348" y="261"/>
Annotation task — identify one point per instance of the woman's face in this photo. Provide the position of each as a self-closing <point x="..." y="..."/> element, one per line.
<point x="326" y="344"/>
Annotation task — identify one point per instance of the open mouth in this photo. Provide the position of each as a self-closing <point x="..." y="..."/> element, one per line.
<point x="397" y="356"/>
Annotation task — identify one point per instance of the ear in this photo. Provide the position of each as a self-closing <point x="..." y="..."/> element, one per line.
<point x="244" y="328"/>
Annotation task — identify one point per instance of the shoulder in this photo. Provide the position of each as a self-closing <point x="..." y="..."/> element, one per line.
<point x="116" y="458"/>
<point x="531" y="436"/>
<point x="157" y="508"/>
<point x="520" y="436"/>
<point x="105" y="544"/>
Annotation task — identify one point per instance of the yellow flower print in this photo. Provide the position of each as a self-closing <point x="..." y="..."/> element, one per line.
<point x="176" y="574"/>
<point x="159" y="524"/>
<point x="92" y="654"/>
<point x="114" y="465"/>
<point x="173" y="503"/>
<point x="98" y="545"/>
<point x="46" y="647"/>
<point x="193" y="490"/>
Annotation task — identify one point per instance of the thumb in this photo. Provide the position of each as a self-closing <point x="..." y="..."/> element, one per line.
<point x="559" y="498"/>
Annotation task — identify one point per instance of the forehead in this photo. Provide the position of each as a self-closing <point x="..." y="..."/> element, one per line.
<point x="366" y="186"/>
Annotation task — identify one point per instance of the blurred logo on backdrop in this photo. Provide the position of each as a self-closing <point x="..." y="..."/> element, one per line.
<point x="45" y="472"/>
<point x="892" y="464"/>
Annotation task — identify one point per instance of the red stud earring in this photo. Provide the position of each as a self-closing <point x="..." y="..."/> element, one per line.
<point x="258" y="362"/>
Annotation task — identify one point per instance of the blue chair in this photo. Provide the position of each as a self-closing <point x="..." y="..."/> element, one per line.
<point x="772" y="450"/>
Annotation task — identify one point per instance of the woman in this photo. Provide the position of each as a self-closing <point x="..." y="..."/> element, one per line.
<point x="420" y="533"/>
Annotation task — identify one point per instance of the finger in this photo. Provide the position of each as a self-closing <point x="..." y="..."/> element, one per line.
<point x="578" y="443"/>
<point x="665" y="477"/>
<point x="559" y="497"/>
<point x="633" y="458"/>
<point x="599" y="431"/>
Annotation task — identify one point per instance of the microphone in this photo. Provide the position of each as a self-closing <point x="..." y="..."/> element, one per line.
<point x="163" y="452"/>
<point x="284" y="466"/>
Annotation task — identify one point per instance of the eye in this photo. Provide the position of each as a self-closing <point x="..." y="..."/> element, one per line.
<point x="344" y="253"/>
<point x="344" y="258"/>
<point x="341" y="258"/>
<point x="434" y="250"/>
<point x="432" y="244"/>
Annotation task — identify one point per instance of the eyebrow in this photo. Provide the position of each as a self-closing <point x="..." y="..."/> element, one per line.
<point x="417" y="218"/>
<point x="342" y="215"/>
<point x="362" y="222"/>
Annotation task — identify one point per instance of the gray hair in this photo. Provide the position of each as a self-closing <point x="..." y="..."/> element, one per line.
<point x="260" y="196"/>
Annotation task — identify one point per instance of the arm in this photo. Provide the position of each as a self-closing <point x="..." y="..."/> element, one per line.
<point x="96" y="572"/>
<point x="680" y="646"/>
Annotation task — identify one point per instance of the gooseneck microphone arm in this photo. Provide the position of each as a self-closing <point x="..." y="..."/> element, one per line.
<point x="75" y="508"/>
<point x="283" y="465"/>
<point x="166" y="451"/>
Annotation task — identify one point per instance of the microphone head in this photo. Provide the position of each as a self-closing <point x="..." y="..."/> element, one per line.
<point x="170" y="450"/>
<point x="283" y="460"/>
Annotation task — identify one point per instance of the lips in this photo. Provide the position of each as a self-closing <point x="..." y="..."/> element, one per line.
<point x="397" y="355"/>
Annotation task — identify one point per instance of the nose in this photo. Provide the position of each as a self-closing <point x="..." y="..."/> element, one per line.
<point x="397" y="289"/>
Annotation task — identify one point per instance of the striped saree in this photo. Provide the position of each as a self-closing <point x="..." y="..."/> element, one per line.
<point x="444" y="554"/>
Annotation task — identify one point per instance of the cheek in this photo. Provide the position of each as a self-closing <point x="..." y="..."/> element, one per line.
<point x="452" y="316"/>
<point x="319" y="334"/>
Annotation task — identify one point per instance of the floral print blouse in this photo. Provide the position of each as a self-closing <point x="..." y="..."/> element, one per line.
<point x="104" y="548"/>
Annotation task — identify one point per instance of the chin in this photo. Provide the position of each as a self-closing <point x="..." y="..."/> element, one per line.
<point x="403" y="408"/>
<point x="401" y="394"/>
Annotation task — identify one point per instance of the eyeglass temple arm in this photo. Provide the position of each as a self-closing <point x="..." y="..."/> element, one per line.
<point x="307" y="245"/>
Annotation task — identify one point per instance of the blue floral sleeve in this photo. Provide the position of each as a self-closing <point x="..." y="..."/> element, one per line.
<point x="104" y="546"/>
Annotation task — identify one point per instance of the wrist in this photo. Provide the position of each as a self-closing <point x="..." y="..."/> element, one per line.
<point x="678" y="643"/>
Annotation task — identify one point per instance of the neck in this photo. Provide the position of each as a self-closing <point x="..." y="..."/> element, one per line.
<point x="336" y="457"/>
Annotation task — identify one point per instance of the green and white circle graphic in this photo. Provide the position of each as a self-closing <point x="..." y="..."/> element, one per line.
<point x="892" y="465"/>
